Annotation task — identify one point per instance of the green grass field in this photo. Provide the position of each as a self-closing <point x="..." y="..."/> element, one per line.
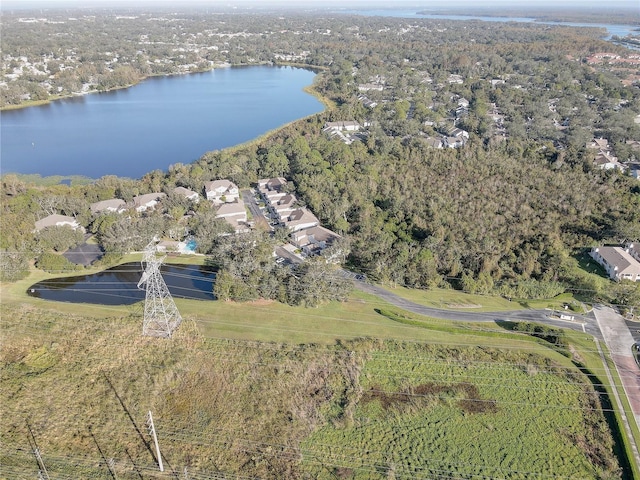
<point x="266" y="390"/>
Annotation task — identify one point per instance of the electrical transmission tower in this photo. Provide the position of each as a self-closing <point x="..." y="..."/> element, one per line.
<point x="161" y="316"/>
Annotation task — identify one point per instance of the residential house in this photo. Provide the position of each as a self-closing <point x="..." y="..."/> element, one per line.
<point x="606" y="161"/>
<point x="57" y="220"/>
<point x="271" y="189"/>
<point x="113" y="205"/>
<point x="454" y="142"/>
<point x="633" y="249"/>
<point x="283" y="206"/>
<point x="235" y="214"/>
<point x="458" y="133"/>
<point x="221" y="191"/>
<point x="299" y="219"/>
<point x="272" y="184"/>
<point x="314" y="239"/>
<point x="435" y="142"/>
<point x="147" y="201"/>
<point x="365" y="87"/>
<point x="348" y="125"/>
<point x="188" y="194"/>
<point x="618" y="263"/>
<point x="367" y="102"/>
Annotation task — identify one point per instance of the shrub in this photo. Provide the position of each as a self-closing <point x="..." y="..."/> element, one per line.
<point x="53" y="263"/>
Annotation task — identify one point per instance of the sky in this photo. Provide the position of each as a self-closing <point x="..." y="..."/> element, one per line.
<point x="511" y="5"/>
<point x="426" y="4"/>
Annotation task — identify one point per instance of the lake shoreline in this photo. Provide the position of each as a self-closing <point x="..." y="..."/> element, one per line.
<point x="209" y="115"/>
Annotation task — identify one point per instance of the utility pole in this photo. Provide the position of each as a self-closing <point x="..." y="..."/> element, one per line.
<point x="42" y="473"/>
<point x="152" y="432"/>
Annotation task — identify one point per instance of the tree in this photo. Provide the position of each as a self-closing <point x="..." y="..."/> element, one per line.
<point x="14" y="266"/>
<point x="54" y="263"/>
<point x="317" y="281"/>
<point x="58" y="238"/>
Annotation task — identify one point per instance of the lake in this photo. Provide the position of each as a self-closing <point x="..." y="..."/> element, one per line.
<point x="612" y="29"/>
<point x="118" y="285"/>
<point x="159" y="122"/>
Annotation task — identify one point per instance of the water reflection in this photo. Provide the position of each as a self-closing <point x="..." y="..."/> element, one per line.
<point x="118" y="285"/>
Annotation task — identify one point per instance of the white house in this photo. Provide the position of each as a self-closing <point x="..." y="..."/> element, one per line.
<point x="349" y="126"/>
<point x="299" y="219"/>
<point x="57" y="220"/>
<point x="221" y="191"/>
<point x="188" y="194"/>
<point x="235" y="214"/>
<point x="113" y="205"/>
<point x="633" y="249"/>
<point x="314" y="239"/>
<point x="147" y="201"/>
<point x="618" y="263"/>
<point x="283" y="206"/>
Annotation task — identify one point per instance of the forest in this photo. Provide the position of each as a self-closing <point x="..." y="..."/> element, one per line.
<point x="508" y="213"/>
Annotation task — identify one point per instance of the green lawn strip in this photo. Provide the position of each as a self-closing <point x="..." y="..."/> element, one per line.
<point x="450" y="299"/>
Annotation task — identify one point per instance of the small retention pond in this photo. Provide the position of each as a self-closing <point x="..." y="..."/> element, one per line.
<point x="118" y="285"/>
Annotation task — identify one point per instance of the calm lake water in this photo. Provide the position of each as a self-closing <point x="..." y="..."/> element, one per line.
<point x="161" y="121"/>
<point x="612" y="29"/>
<point x="118" y="285"/>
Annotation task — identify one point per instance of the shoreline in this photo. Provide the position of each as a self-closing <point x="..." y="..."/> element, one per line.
<point x="48" y="180"/>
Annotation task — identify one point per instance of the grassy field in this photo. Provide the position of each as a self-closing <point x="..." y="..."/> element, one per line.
<point x="426" y="411"/>
<point x="265" y="390"/>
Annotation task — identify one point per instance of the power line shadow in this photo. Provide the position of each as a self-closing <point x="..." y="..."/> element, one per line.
<point x="133" y="422"/>
<point x="106" y="462"/>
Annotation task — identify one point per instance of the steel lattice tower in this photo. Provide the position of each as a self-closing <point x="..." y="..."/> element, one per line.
<point x="161" y="316"/>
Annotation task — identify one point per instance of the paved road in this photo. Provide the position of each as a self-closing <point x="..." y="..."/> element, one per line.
<point x="603" y="323"/>
<point x="258" y="216"/>
<point x="619" y="341"/>
<point x="581" y="323"/>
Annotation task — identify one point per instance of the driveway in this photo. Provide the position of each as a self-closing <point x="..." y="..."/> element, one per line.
<point x="84" y="254"/>
<point x="254" y="208"/>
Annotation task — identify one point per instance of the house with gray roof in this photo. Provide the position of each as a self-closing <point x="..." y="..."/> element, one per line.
<point x="235" y="214"/>
<point x="299" y="219"/>
<point x="313" y="240"/>
<point x="188" y="194"/>
<point x="221" y="191"/>
<point x="57" y="220"/>
<point x="112" y="205"/>
<point x="633" y="249"/>
<point x="618" y="262"/>
<point x="147" y="201"/>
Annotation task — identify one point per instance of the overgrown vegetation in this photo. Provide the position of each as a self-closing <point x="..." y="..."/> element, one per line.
<point x="368" y="407"/>
<point x="432" y="411"/>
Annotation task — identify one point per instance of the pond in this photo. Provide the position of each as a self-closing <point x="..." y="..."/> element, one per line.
<point x="118" y="285"/>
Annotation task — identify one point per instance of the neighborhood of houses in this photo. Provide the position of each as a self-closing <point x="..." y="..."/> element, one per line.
<point x="281" y="209"/>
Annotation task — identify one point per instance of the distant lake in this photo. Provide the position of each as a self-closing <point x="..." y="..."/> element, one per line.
<point x="119" y="285"/>
<point x="612" y="29"/>
<point x="159" y="122"/>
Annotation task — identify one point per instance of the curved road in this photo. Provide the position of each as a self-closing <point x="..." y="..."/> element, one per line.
<point x="582" y="323"/>
<point x="603" y="323"/>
